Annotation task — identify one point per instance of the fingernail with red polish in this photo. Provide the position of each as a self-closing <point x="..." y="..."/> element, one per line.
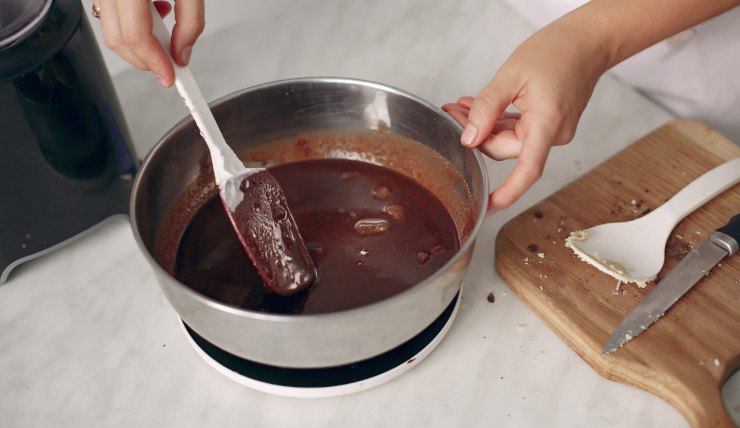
<point x="185" y="54"/>
<point x="468" y="136"/>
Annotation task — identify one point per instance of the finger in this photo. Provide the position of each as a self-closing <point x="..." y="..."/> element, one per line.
<point x="112" y="34"/>
<point x="509" y="115"/>
<point x="502" y="146"/>
<point x="503" y="142"/>
<point x="504" y="125"/>
<point x="454" y="106"/>
<point x="449" y="108"/>
<point x="528" y="170"/>
<point x="189" y="24"/>
<point x="562" y="141"/>
<point x="465" y="101"/>
<point x="136" y="31"/>
<point x="485" y="110"/>
<point x="457" y="112"/>
<point x="459" y="117"/>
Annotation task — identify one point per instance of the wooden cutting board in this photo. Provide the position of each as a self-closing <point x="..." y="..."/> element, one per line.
<point x="684" y="357"/>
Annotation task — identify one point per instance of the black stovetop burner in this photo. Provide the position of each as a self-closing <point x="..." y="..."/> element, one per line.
<point x="333" y="380"/>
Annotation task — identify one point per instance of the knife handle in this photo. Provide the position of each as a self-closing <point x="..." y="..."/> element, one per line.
<point x="728" y="236"/>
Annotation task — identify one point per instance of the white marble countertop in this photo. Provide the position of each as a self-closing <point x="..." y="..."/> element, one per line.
<point x="88" y="339"/>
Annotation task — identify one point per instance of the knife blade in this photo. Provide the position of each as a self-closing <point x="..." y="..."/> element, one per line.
<point x="692" y="268"/>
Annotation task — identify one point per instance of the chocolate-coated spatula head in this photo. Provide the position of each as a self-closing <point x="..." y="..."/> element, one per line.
<point x="269" y="234"/>
<point x="252" y="197"/>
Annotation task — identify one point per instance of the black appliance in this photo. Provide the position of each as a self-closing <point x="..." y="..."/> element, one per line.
<point x="66" y="162"/>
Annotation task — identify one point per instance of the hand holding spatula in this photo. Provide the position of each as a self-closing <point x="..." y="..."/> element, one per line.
<point x="252" y="197"/>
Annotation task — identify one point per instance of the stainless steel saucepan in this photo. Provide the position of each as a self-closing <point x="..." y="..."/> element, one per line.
<point x="177" y="171"/>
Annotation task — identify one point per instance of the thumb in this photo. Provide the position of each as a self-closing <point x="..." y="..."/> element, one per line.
<point x="485" y="110"/>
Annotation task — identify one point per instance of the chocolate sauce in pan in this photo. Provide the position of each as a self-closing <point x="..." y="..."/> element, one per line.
<point x="371" y="233"/>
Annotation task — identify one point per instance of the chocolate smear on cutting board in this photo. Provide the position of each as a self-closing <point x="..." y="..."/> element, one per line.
<point x="677" y="249"/>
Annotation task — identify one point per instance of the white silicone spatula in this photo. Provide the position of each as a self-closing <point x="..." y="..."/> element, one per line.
<point x="633" y="251"/>
<point x="252" y="197"/>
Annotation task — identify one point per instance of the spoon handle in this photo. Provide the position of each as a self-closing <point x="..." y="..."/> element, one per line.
<point x="700" y="191"/>
<point x="225" y="162"/>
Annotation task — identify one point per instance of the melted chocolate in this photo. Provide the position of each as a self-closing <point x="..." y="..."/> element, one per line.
<point x="371" y="233"/>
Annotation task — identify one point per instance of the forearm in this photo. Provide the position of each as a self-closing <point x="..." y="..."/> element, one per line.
<point x="614" y="30"/>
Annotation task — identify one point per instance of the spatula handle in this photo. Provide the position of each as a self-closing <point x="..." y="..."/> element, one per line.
<point x="701" y="190"/>
<point x="225" y="162"/>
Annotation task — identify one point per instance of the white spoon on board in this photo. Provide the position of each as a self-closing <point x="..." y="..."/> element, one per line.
<point x="252" y="197"/>
<point x="633" y="251"/>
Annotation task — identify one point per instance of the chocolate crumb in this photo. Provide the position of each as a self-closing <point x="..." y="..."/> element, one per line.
<point x="533" y="248"/>
<point x="676" y="249"/>
<point x="538" y="214"/>
<point x="395" y="211"/>
<point x="422" y="257"/>
<point x="381" y="193"/>
<point x="491" y="298"/>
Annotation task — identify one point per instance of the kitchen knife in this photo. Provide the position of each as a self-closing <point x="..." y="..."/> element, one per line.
<point x="692" y="268"/>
